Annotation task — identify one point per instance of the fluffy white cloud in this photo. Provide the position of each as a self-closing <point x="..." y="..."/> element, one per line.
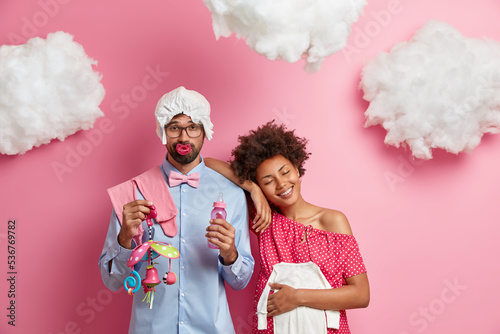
<point x="48" y="90"/>
<point x="288" y="29"/>
<point x="438" y="90"/>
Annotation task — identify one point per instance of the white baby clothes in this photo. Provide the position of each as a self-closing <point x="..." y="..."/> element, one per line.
<point x="301" y="320"/>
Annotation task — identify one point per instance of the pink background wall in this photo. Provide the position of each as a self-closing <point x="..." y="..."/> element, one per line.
<point x="428" y="232"/>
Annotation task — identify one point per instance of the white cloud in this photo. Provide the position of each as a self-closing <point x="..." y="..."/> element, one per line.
<point x="288" y="29"/>
<point x="48" y="90"/>
<point x="438" y="90"/>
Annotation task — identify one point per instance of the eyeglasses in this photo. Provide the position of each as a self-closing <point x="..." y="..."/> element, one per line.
<point x="193" y="130"/>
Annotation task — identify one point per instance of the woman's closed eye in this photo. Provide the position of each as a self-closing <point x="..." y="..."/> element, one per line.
<point x="268" y="182"/>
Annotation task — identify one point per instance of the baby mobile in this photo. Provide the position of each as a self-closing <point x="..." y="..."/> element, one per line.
<point x="147" y="252"/>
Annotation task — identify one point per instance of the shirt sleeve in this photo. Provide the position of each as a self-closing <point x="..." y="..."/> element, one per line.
<point x="262" y="304"/>
<point x="113" y="259"/>
<point x="238" y="274"/>
<point x="353" y="264"/>
<point x="332" y="316"/>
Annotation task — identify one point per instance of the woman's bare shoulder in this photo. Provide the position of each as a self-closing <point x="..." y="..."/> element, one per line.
<point x="334" y="221"/>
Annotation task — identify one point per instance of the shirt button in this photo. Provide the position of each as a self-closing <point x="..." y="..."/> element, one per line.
<point x="183" y="240"/>
<point x="184" y="214"/>
<point x="182" y="267"/>
<point x="182" y="294"/>
<point x="183" y="190"/>
<point x="182" y="322"/>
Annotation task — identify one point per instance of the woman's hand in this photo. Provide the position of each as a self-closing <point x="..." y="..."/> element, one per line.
<point x="262" y="218"/>
<point x="281" y="301"/>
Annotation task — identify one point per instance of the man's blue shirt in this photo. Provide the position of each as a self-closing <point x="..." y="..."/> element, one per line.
<point x="197" y="302"/>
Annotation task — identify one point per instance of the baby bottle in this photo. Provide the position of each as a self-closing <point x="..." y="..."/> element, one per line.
<point x="218" y="212"/>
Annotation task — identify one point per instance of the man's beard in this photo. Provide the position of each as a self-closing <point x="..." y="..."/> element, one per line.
<point x="183" y="159"/>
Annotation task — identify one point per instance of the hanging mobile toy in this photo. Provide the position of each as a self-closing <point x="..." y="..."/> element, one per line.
<point x="147" y="252"/>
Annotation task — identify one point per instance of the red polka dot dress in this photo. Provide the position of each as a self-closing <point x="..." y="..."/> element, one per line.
<point x="337" y="255"/>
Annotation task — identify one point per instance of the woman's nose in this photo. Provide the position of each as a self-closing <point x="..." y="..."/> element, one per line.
<point x="280" y="183"/>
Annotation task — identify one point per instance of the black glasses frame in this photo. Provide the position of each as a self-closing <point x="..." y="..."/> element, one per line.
<point x="182" y="129"/>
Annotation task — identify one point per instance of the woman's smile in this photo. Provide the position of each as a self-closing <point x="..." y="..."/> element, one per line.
<point x="287" y="193"/>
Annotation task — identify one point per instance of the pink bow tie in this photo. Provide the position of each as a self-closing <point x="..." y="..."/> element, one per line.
<point x="174" y="179"/>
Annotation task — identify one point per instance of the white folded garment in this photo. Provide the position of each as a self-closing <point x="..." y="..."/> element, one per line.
<point x="301" y="319"/>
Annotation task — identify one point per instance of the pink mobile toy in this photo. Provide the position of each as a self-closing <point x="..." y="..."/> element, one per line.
<point x="147" y="252"/>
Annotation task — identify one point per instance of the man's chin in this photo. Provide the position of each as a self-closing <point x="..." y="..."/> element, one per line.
<point x="183" y="159"/>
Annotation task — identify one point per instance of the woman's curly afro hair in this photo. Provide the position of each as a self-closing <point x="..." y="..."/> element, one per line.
<point x="267" y="141"/>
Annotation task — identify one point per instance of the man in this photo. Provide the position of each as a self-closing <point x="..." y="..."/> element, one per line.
<point x="197" y="302"/>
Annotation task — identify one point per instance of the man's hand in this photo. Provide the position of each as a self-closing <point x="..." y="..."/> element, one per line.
<point x="133" y="215"/>
<point x="221" y="234"/>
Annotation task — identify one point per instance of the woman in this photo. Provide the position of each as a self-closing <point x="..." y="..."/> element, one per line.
<point x="272" y="158"/>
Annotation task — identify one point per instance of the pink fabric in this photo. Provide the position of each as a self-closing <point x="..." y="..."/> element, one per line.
<point x="153" y="187"/>
<point x="337" y="255"/>
<point x="174" y="179"/>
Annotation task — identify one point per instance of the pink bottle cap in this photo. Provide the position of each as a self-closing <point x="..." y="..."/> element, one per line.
<point x="220" y="202"/>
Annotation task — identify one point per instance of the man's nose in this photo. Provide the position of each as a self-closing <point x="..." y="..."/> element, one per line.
<point x="184" y="135"/>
